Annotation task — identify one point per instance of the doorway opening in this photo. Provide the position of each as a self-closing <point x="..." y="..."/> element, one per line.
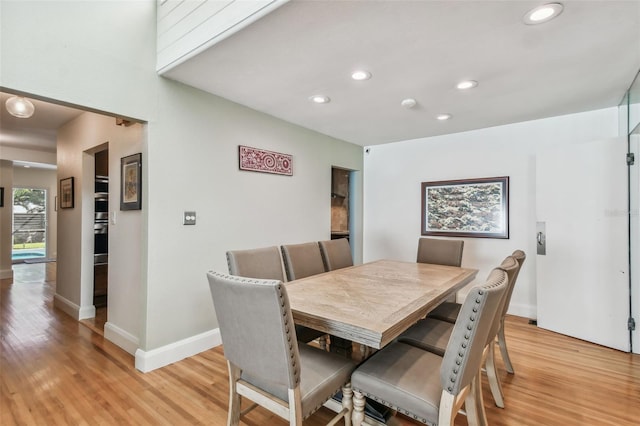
<point x="29" y="233"/>
<point x="340" y="203"/>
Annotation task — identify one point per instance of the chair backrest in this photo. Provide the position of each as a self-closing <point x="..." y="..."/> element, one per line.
<point x="264" y="263"/>
<point x="336" y="254"/>
<point x="511" y="266"/>
<point x="462" y="358"/>
<point x="440" y="252"/>
<point x="519" y="256"/>
<point x="302" y="260"/>
<point x="253" y="314"/>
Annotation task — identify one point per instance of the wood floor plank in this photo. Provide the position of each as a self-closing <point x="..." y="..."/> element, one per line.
<point x="56" y="371"/>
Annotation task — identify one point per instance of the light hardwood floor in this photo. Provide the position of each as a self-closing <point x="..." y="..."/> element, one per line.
<point x="56" y="371"/>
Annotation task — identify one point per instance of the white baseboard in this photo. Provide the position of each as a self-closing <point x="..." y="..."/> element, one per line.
<point x="150" y="360"/>
<point x="6" y="274"/>
<point x="75" y="311"/>
<point x="521" y="310"/>
<point x="121" y="338"/>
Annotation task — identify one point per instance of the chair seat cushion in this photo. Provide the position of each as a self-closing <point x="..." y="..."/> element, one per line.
<point x="320" y="371"/>
<point x="322" y="374"/>
<point x="429" y="334"/>
<point x="447" y="311"/>
<point x="404" y="378"/>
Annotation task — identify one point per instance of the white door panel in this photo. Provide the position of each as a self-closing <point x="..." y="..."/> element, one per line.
<point x="582" y="282"/>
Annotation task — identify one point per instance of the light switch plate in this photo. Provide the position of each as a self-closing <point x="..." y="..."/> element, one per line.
<point x="189" y="218"/>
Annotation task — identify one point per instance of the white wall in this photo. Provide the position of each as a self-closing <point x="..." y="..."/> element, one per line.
<point x="77" y="141"/>
<point x="193" y="165"/>
<point x="41" y="179"/>
<point x="393" y="174"/>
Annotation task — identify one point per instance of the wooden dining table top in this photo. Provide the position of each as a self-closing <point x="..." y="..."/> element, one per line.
<point x="375" y="302"/>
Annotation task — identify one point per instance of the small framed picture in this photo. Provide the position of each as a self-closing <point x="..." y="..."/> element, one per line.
<point x="1" y="196"/>
<point x="131" y="182"/>
<point x="66" y="193"/>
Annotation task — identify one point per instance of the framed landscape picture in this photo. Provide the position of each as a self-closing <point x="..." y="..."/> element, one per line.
<point x="466" y="208"/>
<point x="131" y="182"/>
<point x="66" y="193"/>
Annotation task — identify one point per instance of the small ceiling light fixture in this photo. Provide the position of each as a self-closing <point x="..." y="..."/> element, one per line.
<point x="20" y="107"/>
<point x="542" y="14"/>
<point x="467" y="84"/>
<point x="443" y="117"/>
<point x="320" y="99"/>
<point x="361" y="75"/>
<point x="409" y="103"/>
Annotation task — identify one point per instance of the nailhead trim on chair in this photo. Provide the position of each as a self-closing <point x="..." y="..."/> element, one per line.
<point x="292" y="360"/>
<point x="462" y="352"/>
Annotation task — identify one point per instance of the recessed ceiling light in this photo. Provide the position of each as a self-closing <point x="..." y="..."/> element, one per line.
<point x="443" y="117"/>
<point x="320" y="99"/>
<point x="541" y="14"/>
<point x="361" y="75"/>
<point x="408" y="103"/>
<point x="467" y="84"/>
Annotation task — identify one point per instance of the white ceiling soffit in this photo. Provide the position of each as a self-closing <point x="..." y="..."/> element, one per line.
<point x="583" y="60"/>
<point x="38" y="132"/>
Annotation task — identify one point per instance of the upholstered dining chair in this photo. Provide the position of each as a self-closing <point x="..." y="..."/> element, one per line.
<point x="520" y="256"/>
<point x="425" y="386"/>
<point x="448" y="311"/>
<point x="440" y="252"/>
<point x="265" y="363"/>
<point x="433" y="335"/>
<point x="302" y="260"/>
<point x="336" y="254"/>
<point x="266" y="263"/>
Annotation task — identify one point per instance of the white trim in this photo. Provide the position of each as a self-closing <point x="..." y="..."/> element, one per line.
<point x="165" y="355"/>
<point x="121" y="338"/>
<point x="6" y="274"/>
<point x="522" y="310"/>
<point x="73" y="310"/>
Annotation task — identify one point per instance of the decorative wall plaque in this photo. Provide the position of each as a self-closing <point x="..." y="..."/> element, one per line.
<point x="260" y="160"/>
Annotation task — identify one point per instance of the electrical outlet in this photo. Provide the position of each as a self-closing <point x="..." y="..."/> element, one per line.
<point x="189" y="218"/>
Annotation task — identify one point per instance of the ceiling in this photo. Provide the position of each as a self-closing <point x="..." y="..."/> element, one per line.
<point x="38" y="132"/>
<point x="583" y="60"/>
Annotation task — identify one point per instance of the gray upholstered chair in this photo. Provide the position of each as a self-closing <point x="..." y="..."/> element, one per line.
<point x="266" y="263"/>
<point x="440" y="252"/>
<point x="448" y="311"/>
<point x="433" y="335"/>
<point x="336" y="254"/>
<point x="265" y="363"/>
<point x="520" y="256"/>
<point x="302" y="260"/>
<point x="425" y="386"/>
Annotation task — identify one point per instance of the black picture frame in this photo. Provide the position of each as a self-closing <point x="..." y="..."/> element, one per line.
<point x="1" y="196"/>
<point x="131" y="182"/>
<point x="477" y="208"/>
<point x="67" y="198"/>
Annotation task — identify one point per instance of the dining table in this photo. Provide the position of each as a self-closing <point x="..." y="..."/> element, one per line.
<point x="373" y="303"/>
